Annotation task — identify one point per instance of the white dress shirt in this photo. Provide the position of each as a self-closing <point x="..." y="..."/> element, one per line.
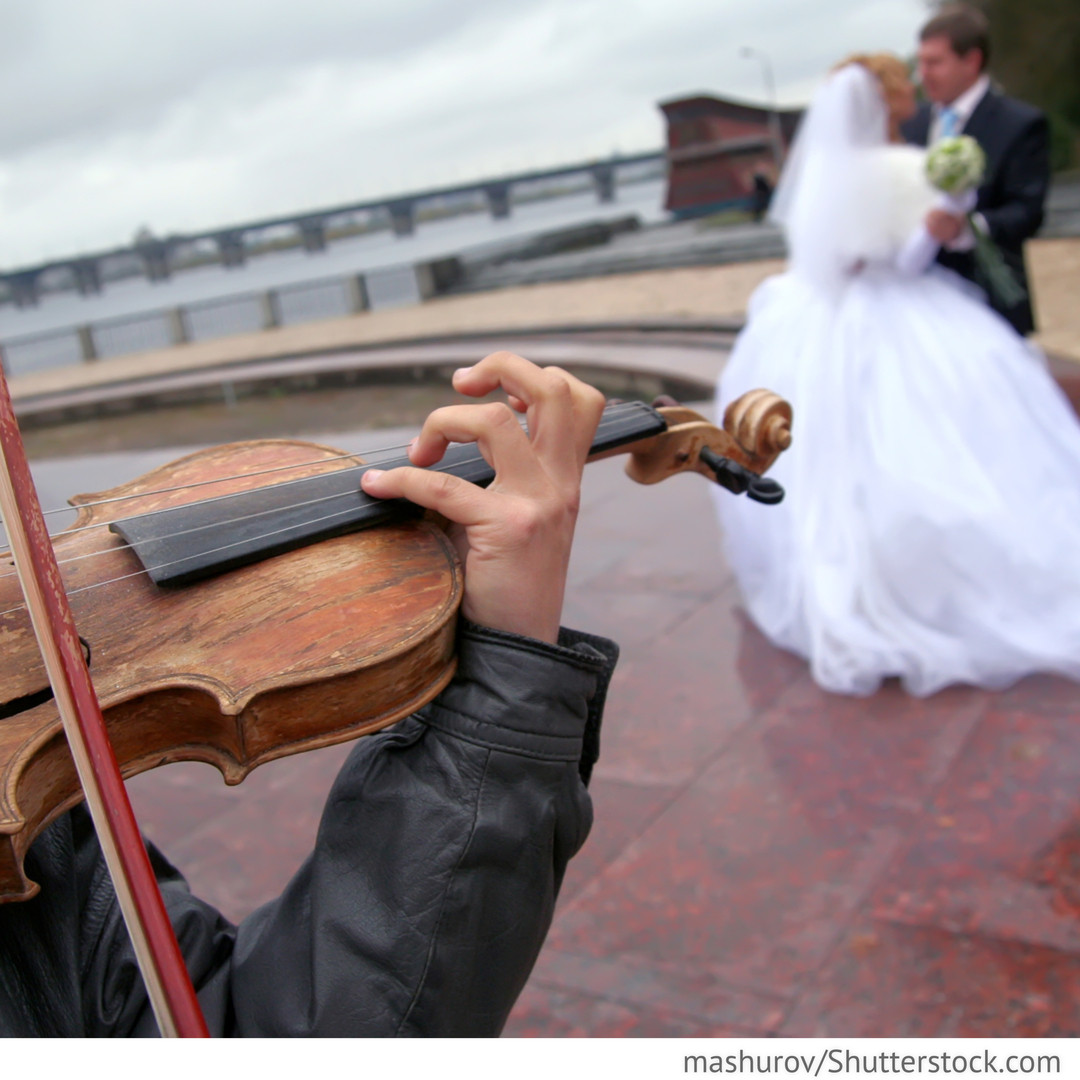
<point x="963" y="106"/>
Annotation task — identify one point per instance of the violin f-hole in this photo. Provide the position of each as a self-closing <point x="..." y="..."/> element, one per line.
<point x="26" y="702"/>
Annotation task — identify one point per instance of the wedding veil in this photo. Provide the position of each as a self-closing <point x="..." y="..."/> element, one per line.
<point x="823" y="201"/>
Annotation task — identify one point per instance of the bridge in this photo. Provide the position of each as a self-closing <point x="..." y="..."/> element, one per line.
<point x="157" y="257"/>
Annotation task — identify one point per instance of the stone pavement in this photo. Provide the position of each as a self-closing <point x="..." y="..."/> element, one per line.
<point x="772" y="859"/>
<point x="766" y="858"/>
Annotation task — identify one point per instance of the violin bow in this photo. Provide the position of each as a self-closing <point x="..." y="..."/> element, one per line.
<point x="164" y="972"/>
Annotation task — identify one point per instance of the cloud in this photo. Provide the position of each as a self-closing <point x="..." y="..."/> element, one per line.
<point x="85" y="69"/>
<point x="185" y="117"/>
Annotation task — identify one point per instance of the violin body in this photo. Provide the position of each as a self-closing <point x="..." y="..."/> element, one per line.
<point x="311" y="647"/>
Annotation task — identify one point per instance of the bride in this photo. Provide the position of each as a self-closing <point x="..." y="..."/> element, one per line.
<point x="931" y="529"/>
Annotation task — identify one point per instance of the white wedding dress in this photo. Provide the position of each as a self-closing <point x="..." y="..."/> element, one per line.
<point x="931" y="526"/>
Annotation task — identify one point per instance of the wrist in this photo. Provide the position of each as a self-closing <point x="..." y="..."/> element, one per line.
<point x="528" y="603"/>
<point x="524" y="623"/>
<point x="523" y="595"/>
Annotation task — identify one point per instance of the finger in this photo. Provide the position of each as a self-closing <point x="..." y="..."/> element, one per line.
<point x="456" y="499"/>
<point x="523" y="381"/>
<point x="498" y="370"/>
<point x="571" y="425"/>
<point x="562" y="411"/>
<point x="497" y="433"/>
<point x="541" y="396"/>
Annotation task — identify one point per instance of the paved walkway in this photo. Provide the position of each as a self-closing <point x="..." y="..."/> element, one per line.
<point x="767" y="858"/>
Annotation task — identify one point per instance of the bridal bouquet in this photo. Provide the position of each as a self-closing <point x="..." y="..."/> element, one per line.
<point x="956" y="166"/>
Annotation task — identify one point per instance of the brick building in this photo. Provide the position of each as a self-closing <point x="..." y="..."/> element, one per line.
<point x="715" y="147"/>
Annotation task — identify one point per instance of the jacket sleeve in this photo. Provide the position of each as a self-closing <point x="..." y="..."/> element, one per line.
<point x="421" y="908"/>
<point x="432" y="883"/>
<point x="441" y="850"/>
<point x="1020" y="192"/>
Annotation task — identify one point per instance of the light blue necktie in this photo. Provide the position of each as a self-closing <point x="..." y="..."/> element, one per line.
<point x="949" y="120"/>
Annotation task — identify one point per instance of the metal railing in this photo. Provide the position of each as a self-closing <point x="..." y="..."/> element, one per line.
<point x="288" y="305"/>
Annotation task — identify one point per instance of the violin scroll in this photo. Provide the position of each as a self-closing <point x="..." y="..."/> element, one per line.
<point x="760" y="421"/>
<point x="757" y="429"/>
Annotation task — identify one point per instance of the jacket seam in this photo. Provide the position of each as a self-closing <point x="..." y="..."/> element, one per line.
<point x="571" y="754"/>
<point x="538" y="732"/>
<point x="451" y="877"/>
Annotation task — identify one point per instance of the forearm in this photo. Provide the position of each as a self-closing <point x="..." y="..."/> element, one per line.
<point x="467" y="811"/>
<point x="440" y="854"/>
<point x="922" y="245"/>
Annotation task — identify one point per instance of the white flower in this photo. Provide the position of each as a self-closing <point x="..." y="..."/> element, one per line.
<point x="956" y="164"/>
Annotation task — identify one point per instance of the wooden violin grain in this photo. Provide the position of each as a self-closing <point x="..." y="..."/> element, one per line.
<point x="305" y="649"/>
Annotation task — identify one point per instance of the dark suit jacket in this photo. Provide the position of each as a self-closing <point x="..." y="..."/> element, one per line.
<point x="1016" y="139"/>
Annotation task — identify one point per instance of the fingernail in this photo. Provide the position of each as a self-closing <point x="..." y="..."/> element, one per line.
<point x="461" y="371"/>
<point x="371" y="472"/>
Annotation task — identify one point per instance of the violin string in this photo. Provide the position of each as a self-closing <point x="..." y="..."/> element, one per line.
<point x="611" y="414"/>
<point x="213" y="498"/>
<point x="236" y="519"/>
<point x="147" y="570"/>
<point x="245" y="517"/>
<point x="200" y="528"/>
<point x="209" y="551"/>
<point x="184" y="487"/>
<point x="217" y="480"/>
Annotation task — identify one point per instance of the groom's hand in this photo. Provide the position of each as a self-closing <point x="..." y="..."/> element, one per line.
<point x="945" y="227"/>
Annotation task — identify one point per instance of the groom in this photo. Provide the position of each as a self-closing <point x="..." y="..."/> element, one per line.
<point x="952" y="56"/>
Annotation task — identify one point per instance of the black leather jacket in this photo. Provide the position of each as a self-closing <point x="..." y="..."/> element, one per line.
<point x="421" y="909"/>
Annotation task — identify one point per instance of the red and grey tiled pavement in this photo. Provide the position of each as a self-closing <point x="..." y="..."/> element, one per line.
<point x="767" y="858"/>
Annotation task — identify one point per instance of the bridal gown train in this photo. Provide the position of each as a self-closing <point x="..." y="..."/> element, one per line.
<point x="931" y="528"/>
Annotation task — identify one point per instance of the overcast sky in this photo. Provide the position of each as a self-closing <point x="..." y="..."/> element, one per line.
<point x="186" y="115"/>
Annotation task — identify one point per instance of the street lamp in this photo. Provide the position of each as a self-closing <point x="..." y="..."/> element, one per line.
<point x="774" y="115"/>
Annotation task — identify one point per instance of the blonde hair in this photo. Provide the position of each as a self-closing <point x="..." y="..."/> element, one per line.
<point x="889" y="70"/>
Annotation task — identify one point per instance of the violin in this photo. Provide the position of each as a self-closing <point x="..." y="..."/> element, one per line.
<point x="250" y="601"/>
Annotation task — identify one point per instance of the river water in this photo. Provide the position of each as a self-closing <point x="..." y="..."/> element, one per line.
<point x="380" y="251"/>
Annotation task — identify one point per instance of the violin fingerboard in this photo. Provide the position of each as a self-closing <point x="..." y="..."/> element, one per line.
<point x="183" y="544"/>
